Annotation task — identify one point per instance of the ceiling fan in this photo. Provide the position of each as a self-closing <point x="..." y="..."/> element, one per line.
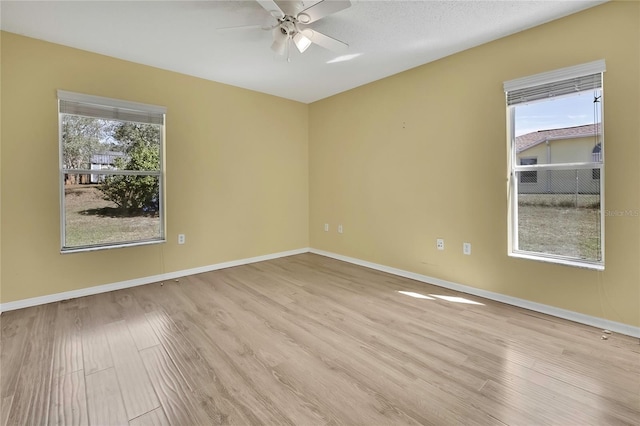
<point x="292" y="19"/>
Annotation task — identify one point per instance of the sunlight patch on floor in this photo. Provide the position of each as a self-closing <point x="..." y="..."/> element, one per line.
<point x="416" y="295"/>
<point x="454" y="299"/>
<point x="457" y="299"/>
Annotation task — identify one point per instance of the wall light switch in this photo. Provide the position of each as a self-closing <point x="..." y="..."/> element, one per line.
<point x="326" y="227"/>
<point x="339" y="229"/>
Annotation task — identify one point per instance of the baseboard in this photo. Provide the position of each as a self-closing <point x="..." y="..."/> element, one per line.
<point x="41" y="300"/>
<point x="601" y="323"/>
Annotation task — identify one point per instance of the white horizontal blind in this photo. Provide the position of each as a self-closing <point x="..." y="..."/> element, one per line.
<point x="560" y="82"/>
<point x="109" y="109"/>
<point x="558" y="88"/>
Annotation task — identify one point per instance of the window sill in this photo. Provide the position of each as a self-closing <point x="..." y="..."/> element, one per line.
<point x="109" y="247"/>
<point x="560" y="261"/>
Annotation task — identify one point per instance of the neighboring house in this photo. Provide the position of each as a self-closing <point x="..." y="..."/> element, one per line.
<point x="104" y="161"/>
<point x="579" y="144"/>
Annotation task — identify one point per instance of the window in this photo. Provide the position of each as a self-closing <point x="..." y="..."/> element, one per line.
<point x="530" y="176"/>
<point x="556" y="166"/>
<point x="111" y="172"/>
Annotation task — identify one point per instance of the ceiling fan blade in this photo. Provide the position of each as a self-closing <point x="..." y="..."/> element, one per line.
<point x="322" y="9"/>
<point x="271" y="7"/>
<point x="290" y="7"/>
<point x="325" y="41"/>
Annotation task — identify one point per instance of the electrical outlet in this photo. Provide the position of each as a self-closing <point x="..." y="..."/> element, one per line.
<point x="440" y="244"/>
<point x="326" y="227"/>
<point x="181" y="239"/>
<point x="339" y="229"/>
<point x="466" y="248"/>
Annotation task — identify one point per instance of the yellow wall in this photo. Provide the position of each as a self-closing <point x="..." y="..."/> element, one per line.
<point x="236" y="184"/>
<point x="1" y="167"/>
<point x="399" y="162"/>
<point x="423" y="155"/>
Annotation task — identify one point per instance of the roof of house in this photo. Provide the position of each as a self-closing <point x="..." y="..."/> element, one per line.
<point x="532" y="139"/>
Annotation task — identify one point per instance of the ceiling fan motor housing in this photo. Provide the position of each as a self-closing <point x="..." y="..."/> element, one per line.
<point x="288" y="25"/>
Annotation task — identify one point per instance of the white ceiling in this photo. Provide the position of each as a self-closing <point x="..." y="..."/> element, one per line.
<point x="389" y="36"/>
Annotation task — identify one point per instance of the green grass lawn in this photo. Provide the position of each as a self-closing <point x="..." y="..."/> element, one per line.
<point x="545" y="227"/>
<point x="92" y="220"/>
<point x="565" y="231"/>
<point x="560" y="200"/>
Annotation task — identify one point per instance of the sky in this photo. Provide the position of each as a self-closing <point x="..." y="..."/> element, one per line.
<point x="575" y="110"/>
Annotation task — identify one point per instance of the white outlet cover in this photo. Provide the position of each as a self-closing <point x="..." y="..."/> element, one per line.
<point x="466" y="248"/>
<point x="440" y="244"/>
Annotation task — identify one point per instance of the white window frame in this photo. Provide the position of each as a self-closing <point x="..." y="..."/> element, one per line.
<point x="534" y="85"/>
<point x="120" y="110"/>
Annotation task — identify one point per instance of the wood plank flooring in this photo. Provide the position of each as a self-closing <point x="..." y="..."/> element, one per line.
<point x="308" y="340"/>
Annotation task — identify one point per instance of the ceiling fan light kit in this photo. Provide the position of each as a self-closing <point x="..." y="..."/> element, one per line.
<point x="279" y="42"/>
<point x="302" y="42"/>
<point x="287" y="28"/>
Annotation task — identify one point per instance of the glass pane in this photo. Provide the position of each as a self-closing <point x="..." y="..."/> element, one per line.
<point x="97" y="144"/>
<point x="111" y="209"/>
<point x="560" y="214"/>
<point x="562" y="130"/>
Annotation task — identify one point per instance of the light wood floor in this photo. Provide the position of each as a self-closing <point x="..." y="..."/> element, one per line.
<point x="308" y="340"/>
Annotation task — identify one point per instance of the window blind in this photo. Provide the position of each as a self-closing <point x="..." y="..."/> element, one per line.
<point x="109" y="109"/>
<point x="560" y="82"/>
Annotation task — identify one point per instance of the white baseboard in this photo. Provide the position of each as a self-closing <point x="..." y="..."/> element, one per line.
<point x="41" y="300"/>
<point x="601" y="323"/>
